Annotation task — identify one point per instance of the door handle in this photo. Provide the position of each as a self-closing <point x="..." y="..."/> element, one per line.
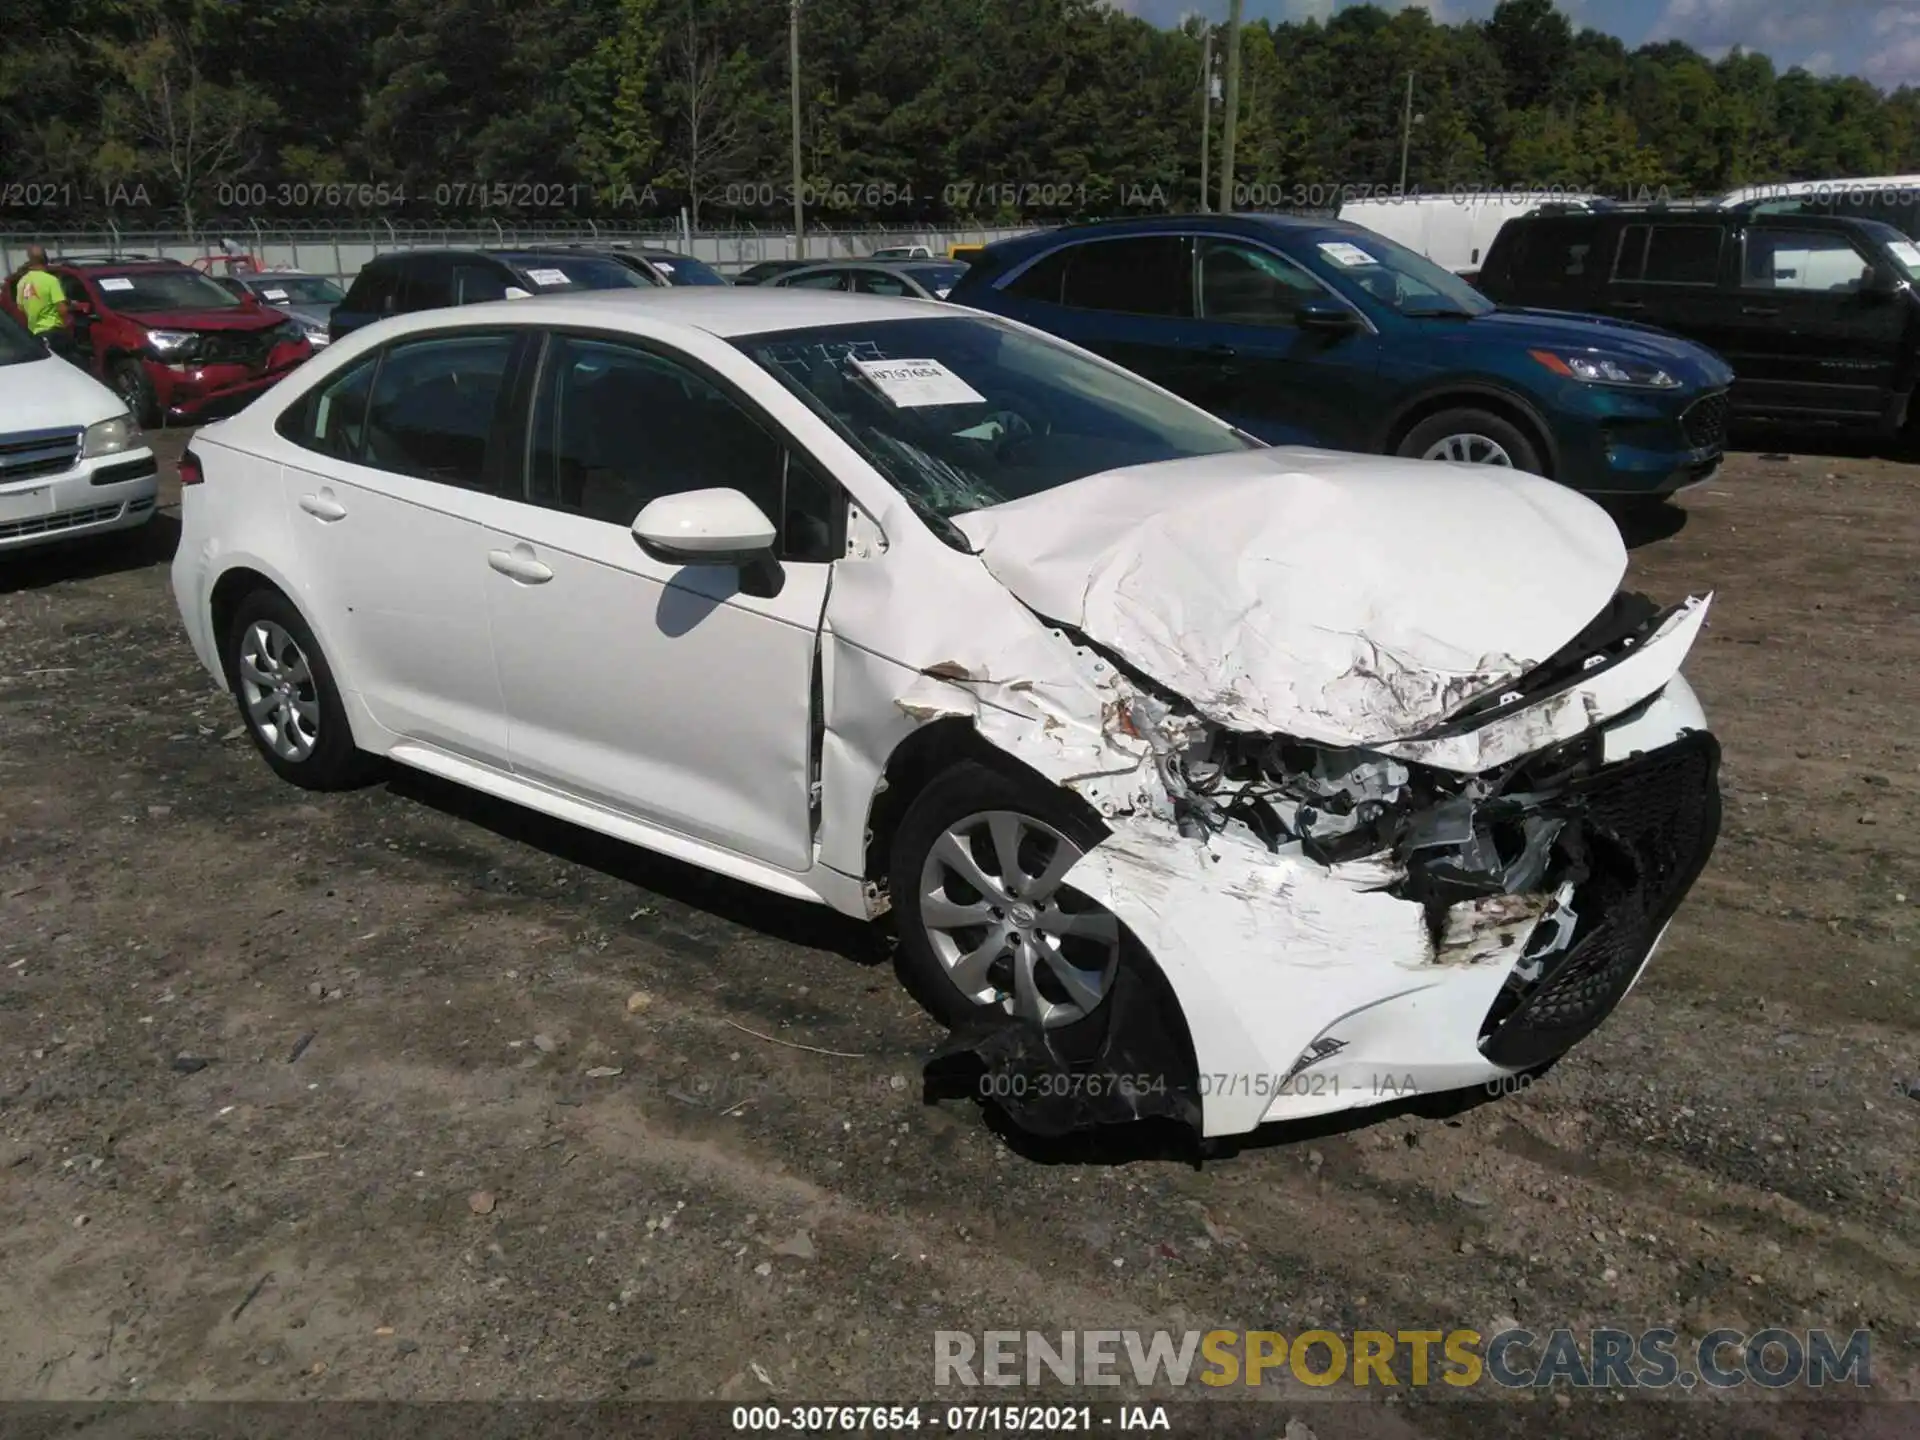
<point x="519" y="564"/>
<point x="1221" y="352"/>
<point x="1759" y="309"/>
<point x="323" y="507"/>
<point x="1629" y="304"/>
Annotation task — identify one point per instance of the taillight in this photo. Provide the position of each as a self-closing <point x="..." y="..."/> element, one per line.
<point x="190" y="471"/>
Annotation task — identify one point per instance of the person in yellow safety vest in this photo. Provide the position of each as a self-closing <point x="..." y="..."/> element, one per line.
<point x="43" y="304"/>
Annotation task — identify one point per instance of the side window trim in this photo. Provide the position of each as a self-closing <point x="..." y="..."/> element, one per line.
<point x="790" y="445"/>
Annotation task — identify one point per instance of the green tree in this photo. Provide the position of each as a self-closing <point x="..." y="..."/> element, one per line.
<point x="164" y="116"/>
<point x="616" y="139"/>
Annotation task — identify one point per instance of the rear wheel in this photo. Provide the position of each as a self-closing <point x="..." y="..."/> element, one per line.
<point x="1472" y="437"/>
<point x="985" y="921"/>
<point x="287" y="696"/>
<point x="130" y="383"/>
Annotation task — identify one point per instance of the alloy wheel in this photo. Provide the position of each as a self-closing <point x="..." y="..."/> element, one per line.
<point x="1007" y="933"/>
<point x="1470" y="450"/>
<point x="277" y="688"/>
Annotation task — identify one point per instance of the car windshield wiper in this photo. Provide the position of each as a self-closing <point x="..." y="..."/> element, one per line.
<point x="1438" y="312"/>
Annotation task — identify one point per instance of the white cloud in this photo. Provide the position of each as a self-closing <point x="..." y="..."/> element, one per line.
<point x="1754" y="24"/>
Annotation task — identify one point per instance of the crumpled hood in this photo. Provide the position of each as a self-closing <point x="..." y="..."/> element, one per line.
<point x="1341" y="598"/>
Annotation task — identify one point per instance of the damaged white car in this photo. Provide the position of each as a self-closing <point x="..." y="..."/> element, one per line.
<point x="1201" y="779"/>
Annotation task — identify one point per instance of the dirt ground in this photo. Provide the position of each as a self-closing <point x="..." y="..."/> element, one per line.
<point x="309" y="1096"/>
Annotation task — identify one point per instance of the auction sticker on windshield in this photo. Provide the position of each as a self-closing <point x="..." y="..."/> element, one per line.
<point x="548" y="277"/>
<point x="116" y="282"/>
<point x="274" y="294"/>
<point x="1907" y="253"/>
<point x="1341" y="253"/>
<point x="910" y="384"/>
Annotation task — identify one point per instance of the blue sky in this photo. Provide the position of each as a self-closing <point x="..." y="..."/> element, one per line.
<point x="1879" y="39"/>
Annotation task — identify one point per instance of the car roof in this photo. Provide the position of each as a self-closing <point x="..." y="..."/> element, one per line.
<point x="1726" y="217"/>
<point x="102" y="262"/>
<point x="1249" y="227"/>
<point x="718" y="310"/>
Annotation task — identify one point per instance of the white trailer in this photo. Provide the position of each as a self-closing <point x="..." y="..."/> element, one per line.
<point x="1453" y="230"/>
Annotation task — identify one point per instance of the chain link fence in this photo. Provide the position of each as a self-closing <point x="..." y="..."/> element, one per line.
<point x="338" y="251"/>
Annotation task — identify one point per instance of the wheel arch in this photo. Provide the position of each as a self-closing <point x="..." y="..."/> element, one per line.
<point x="1515" y="409"/>
<point x="1155" y="1028"/>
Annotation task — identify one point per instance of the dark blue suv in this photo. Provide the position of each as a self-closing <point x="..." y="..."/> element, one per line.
<point x="1313" y="332"/>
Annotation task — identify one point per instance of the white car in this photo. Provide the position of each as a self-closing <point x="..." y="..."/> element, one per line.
<point x="73" y="462"/>
<point x="1202" y="779"/>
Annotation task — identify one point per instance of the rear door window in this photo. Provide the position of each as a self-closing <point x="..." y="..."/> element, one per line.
<point x="429" y="283"/>
<point x="1554" y="252"/>
<point x="1144" y="275"/>
<point x="1669" y="254"/>
<point x="331" y="419"/>
<point x="438" y="409"/>
<point x="373" y="290"/>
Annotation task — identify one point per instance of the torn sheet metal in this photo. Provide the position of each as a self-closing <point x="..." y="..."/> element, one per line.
<point x="1348" y="599"/>
<point x="1587" y="704"/>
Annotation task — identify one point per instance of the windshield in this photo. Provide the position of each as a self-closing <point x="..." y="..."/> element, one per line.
<point x="1904" y="253"/>
<point x="140" y="291"/>
<point x="685" y="270"/>
<point x="16" y="346"/>
<point x="964" y="413"/>
<point x="937" y="277"/>
<point x="557" y="274"/>
<point x="1396" y="276"/>
<point x="297" y="290"/>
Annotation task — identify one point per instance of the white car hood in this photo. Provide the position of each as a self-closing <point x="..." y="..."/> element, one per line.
<point x="1340" y="598"/>
<point x="50" y="394"/>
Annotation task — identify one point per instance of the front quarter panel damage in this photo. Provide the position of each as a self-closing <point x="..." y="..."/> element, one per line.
<point x="1302" y="978"/>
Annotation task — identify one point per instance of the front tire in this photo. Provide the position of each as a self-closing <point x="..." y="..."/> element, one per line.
<point x="135" y="389"/>
<point x="287" y="696"/>
<point x="1474" y="437"/>
<point x="986" y="925"/>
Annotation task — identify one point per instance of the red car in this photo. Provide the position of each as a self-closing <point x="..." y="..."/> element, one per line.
<point x="172" y="342"/>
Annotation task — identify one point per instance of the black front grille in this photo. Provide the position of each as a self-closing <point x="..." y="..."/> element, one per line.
<point x="236" y="347"/>
<point x="25" y="454"/>
<point x="1705" y="422"/>
<point x="1649" y="824"/>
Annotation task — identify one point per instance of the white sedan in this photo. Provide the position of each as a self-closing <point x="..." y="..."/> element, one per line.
<point x="1200" y="778"/>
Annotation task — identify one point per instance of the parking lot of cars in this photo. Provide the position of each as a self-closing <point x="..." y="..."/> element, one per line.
<point x="410" y="1093"/>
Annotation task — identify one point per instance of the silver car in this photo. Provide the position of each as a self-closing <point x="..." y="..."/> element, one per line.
<point x="306" y="298"/>
<point x="920" y="279"/>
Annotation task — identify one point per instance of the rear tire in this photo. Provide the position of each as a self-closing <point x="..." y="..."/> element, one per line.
<point x="1474" y="437"/>
<point x="287" y="696"/>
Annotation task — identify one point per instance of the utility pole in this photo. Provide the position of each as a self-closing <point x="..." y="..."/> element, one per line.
<point x="1232" y="104"/>
<point x="1206" y="109"/>
<point x="1406" y="133"/>
<point x="799" y="180"/>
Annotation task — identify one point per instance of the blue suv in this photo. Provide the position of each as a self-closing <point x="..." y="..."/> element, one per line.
<point x="1312" y="332"/>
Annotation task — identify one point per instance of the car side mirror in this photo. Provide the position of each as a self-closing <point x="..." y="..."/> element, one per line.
<point x="705" y="527"/>
<point x="1880" y="286"/>
<point x="249" y="300"/>
<point x="1325" y="314"/>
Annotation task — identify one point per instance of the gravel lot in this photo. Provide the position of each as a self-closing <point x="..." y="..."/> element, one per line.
<point x="447" y="1194"/>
